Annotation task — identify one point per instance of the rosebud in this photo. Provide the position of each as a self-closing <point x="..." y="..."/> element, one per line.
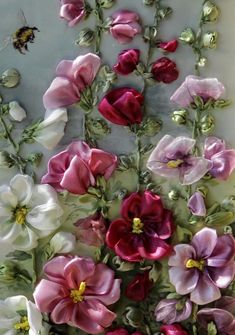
<point x="16" y="111"/>
<point x="10" y="78"/>
<point x="207" y="124"/>
<point x="209" y="40"/>
<point x="180" y="116"/>
<point x="86" y="37"/>
<point x="187" y="36"/>
<point x="173" y="195"/>
<point x="210" y="12"/>
<point x="107" y="3"/>
<point x="151" y="126"/>
<point x="202" y="61"/>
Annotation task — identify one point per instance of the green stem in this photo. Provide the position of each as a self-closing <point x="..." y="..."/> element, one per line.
<point x="138" y="161"/>
<point x="34" y="263"/>
<point x="99" y="18"/>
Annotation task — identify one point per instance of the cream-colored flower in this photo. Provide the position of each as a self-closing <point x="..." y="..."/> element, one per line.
<point x="19" y="315"/>
<point x="16" y="111"/>
<point x="27" y="212"/>
<point x="62" y="243"/>
<point x="51" y="129"/>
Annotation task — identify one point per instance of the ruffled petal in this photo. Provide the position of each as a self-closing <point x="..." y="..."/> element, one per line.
<point x="111" y="297"/>
<point x="212" y="146"/>
<point x="204" y="242"/>
<point x="205" y="292"/>
<point x="54" y="269"/>
<point x="127" y="248"/>
<point x="78" y="270"/>
<point x="22" y="187"/>
<point x="101" y="281"/>
<point x="223" y="164"/>
<point x="151" y="207"/>
<point x="196" y="204"/>
<point x="62" y="311"/>
<point x="154" y="248"/>
<point x="102" y="163"/>
<point x="222" y="276"/>
<point x="116" y="231"/>
<point x="223" y="252"/>
<point x="194" y="169"/>
<point x="184" y="280"/>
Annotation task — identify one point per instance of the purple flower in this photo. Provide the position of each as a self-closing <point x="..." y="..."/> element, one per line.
<point x="223" y="316"/>
<point x="172" y="310"/>
<point x="223" y="160"/>
<point x="196" y="204"/>
<point x="172" y="158"/>
<point x="206" y="88"/>
<point x="204" y="266"/>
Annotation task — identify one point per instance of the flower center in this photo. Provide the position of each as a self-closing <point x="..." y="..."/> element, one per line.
<point x="137" y="226"/>
<point x="191" y="263"/>
<point x="174" y="163"/>
<point x="77" y="295"/>
<point x="20" y="215"/>
<point x="23" y="324"/>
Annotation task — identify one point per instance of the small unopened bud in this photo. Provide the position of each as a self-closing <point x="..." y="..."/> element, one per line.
<point x="164" y="12"/>
<point x="179" y="117"/>
<point x="107" y="3"/>
<point x="202" y="61"/>
<point x="148" y="2"/>
<point x="173" y="195"/>
<point x="16" y="111"/>
<point x="209" y="40"/>
<point x="10" y="78"/>
<point x="98" y="128"/>
<point x="86" y="37"/>
<point x="203" y="190"/>
<point x="151" y="127"/>
<point x="187" y="36"/>
<point x="210" y="12"/>
<point x="207" y="124"/>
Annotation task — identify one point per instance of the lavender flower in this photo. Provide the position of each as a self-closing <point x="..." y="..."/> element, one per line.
<point x="204" y="266"/>
<point x="172" y="158"/>
<point x="196" y="204"/>
<point x="223" y="160"/>
<point x="172" y="310"/>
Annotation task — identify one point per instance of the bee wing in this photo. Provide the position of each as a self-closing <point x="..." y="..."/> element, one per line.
<point x="5" y="43"/>
<point x="22" y="17"/>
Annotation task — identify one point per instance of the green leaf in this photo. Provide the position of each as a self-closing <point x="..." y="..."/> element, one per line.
<point x="19" y="255"/>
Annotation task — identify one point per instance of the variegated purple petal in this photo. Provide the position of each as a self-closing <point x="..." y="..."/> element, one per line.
<point x="227" y="303"/>
<point x="158" y="154"/>
<point x="223" y="164"/>
<point x="194" y="169"/>
<point x="212" y="146"/>
<point x="182" y="252"/>
<point x="206" y="291"/>
<point x="184" y="280"/>
<point x="204" y="242"/>
<point x="223" y="252"/>
<point x="225" y="322"/>
<point x="179" y="147"/>
<point x="196" y="204"/>
<point x="222" y="276"/>
<point x="205" y="87"/>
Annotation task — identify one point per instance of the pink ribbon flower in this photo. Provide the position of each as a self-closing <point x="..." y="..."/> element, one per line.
<point x="204" y="266"/>
<point x="72" y="11"/>
<point x="76" y="168"/>
<point x="125" y="25"/>
<point x="72" y="78"/>
<point x="206" y="88"/>
<point x="77" y="292"/>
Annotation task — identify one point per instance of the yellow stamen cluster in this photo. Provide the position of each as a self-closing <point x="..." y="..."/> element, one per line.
<point x="191" y="263"/>
<point x="78" y="295"/>
<point x="174" y="163"/>
<point x="20" y="215"/>
<point x="23" y="324"/>
<point x="137" y="226"/>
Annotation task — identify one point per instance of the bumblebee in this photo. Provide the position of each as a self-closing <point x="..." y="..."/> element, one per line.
<point x="22" y="37"/>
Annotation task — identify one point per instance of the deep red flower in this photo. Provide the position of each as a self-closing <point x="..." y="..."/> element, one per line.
<point x="142" y="230"/>
<point x="122" y="106"/>
<point x="138" y="289"/>
<point x="169" y="46"/>
<point x="122" y="331"/>
<point x="174" y="329"/>
<point x="165" y="70"/>
<point x="127" y="61"/>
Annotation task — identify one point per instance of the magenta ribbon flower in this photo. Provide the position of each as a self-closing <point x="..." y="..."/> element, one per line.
<point x="223" y="316"/>
<point x="72" y="11"/>
<point x="204" y="266"/>
<point x="72" y="78"/>
<point x="223" y="159"/>
<point x="143" y="230"/>
<point x="77" y="292"/>
<point x="206" y="88"/>
<point x="76" y="168"/>
<point x="172" y="158"/>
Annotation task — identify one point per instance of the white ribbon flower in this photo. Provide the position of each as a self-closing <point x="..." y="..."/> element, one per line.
<point x="19" y="315"/>
<point x="62" y="243"/>
<point x="51" y="130"/>
<point x="16" y="111"/>
<point x="27" y="212"/>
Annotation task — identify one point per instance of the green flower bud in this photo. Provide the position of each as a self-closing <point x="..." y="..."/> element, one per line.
<point x="164" y="12"/>
<point x="107" y="3"/>
<point x="98" y="128"/>
<point x="210" y="12"/>
<point x="86" y="37"/>
<point x="202" y="62"/>
<point x="203" y="190"/>
<point x="9" y="271"/>
<point x="132" y="317"/>
<point x="207" y="124"/>
<point x="148" y="2"/>
<point x="121" y="265"/>
<point x="179" y="117"/>
<point x="150" y="33"/>
<point x="209" y="40"/>
<point x="10" y="78"/>
<point x="173" y="195"/>
<point x="187" y="36"/>
<point x="151" y="126"/>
